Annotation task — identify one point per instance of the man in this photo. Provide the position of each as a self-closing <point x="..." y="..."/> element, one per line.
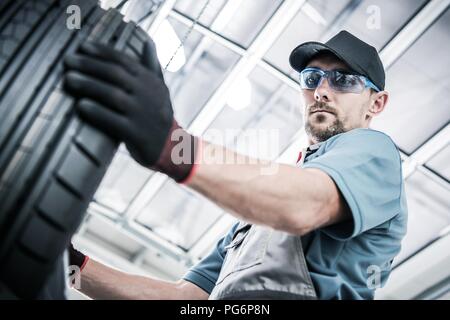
<point x="328" y="228"/>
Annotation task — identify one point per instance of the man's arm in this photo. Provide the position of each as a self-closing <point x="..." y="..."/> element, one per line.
<point x="293" y="199"/>
<point x="290" y="199"/>
<point x="99" y="281"/>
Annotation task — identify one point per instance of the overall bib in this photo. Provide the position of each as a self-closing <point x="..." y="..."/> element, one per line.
<point x="262" y="263"/>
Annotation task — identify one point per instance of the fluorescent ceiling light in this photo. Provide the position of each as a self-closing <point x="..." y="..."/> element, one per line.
<point x="226" y="14"/>
<point x="167" y="44"/>
<point x="313" y="14"/>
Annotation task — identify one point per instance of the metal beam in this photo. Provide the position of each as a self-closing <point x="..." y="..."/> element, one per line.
<point x="152" y="25"/>
<point x="245" y="65"/>
<point x="143" y="236"/>
<point x="412" y="31"/>
<point x="279" y="75"/>
<point x="208" y="33"/>
<point x="421" y="156"/>
<point x="220" y="21"/>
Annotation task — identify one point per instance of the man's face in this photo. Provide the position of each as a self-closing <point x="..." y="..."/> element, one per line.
<point x="328" y="112"/>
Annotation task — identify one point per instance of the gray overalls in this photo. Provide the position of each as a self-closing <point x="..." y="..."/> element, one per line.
<point x="263" y="263"/>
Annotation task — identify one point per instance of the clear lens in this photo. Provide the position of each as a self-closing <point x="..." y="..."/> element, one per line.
<point x="338" y="81"/>
<point x="309" y="79"/>
<point x="346" y="82"/>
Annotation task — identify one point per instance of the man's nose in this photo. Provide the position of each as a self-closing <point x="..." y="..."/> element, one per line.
<point x="323" y="91"/>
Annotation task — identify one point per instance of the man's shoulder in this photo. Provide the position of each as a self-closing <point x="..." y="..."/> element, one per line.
<point x="363" y="139"/>
<point x="362" y="133"/>
<point x="375" y="149"/>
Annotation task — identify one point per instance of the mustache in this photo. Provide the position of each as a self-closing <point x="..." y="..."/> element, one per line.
<point x="321" y="106"/>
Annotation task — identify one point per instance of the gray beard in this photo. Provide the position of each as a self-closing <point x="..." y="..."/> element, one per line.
<point x="320" y="135"/>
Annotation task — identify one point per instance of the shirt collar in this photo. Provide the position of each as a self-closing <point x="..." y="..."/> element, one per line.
<point x="306" y="152"/>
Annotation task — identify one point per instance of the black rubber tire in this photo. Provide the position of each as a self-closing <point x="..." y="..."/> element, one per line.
<point x="51" y="162"/>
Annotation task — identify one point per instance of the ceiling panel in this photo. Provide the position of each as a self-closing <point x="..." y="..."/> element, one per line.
<point x="238" y="20"/>
<point x="441" y="162"/>
<point x="179" y="215"/>
<point x="419" y="86"/>
<point x="275" y="109"/>
<point x="363" y="21"/>
<point x="193" y="9"/>
<point x="123" y="180"/>
<point x="308" y="25"/>
<point x="105" y="233"/>
<point x="207" y="65"/>
<point x="428" y="212"/>
<point x="319" y="20"/>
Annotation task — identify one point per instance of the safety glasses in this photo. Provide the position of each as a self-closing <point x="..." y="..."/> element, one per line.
<point x="311" y="78"/>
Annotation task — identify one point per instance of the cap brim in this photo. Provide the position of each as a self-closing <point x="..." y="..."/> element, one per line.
<point x="303" y="54"/>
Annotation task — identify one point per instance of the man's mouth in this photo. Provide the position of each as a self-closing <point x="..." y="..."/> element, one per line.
<point x="323" y="111"/>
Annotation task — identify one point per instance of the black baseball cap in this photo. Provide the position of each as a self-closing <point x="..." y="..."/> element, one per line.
<point x="361" y="57"/>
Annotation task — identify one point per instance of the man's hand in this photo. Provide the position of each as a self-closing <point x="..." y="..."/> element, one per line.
<point x="129" y="101"/>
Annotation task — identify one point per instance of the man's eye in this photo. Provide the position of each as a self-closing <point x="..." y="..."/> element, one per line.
<point x="312" y="79"/>
<point x="345" y="80"/>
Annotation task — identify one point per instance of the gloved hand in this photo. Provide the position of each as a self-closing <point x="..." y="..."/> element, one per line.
<point x="76" y="258"/>
<point x="130" y="102"/>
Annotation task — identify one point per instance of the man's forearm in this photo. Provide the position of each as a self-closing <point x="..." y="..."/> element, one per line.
<point x="282" y="197"/>
<point x="99" y="281"/>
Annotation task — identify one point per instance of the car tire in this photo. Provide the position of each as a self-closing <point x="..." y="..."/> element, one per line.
<point x="51" y="162"/>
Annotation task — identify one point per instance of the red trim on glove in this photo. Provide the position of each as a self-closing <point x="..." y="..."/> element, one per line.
<point x="182" y="171"/>
<point x="299" y="157"/>
<point x="198" y="154"/>
<point x="86" y="259"/>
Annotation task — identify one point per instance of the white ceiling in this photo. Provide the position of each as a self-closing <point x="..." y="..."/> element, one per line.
<point x="143" y="218"/>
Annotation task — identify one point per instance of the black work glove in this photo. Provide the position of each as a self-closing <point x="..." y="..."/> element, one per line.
<point x="129" y="101"/>
<point x="76" y="258"/>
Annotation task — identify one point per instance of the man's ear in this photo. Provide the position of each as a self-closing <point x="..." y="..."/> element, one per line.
<point x="378" y="103"/>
